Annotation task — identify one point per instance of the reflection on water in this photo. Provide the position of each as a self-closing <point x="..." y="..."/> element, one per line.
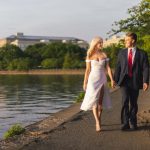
<point x="28" y="98"/>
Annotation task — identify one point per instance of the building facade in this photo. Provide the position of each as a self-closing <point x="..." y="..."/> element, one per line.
<point x="23" y="41"/>
<point x="113" y="40"/>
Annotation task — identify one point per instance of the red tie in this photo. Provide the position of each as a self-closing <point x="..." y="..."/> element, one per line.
<point x="130" y="63"/>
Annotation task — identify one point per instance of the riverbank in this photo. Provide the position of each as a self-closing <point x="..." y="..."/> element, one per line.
<point x="45" y="72"/>
<point x="77" y="128"/>
<point x="40" y="129"/>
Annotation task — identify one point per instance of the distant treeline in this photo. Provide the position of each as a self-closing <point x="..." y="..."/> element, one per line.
<point x="49" y="56"/>
<point x="46" y="56"/>
<point x="53" y="56"/>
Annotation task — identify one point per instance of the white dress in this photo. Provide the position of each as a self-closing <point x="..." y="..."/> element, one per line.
<point x="97" y="78"/>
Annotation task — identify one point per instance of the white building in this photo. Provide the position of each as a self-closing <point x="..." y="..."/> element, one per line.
<point x="23" y="41"/>
<point x="113" y="40"/>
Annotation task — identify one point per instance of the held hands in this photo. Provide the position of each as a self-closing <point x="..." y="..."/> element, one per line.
<point x="145" y="86"/>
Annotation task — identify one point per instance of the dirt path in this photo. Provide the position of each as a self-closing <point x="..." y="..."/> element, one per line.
<point x="79" y="132"/>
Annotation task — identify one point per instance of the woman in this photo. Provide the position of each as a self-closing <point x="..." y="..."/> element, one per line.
<point x="95" y="81"/>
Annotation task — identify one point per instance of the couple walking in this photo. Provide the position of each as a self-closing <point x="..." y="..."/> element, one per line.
<point x="131" y="74"/>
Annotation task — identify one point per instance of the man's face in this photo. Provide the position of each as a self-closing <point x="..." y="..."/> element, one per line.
<point x="129" y="42"/>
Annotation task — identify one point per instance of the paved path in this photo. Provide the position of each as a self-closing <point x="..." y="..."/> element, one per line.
<point x="79" y="132"/>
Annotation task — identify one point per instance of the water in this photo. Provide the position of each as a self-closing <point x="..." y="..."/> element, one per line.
<point x="26" y="99"/>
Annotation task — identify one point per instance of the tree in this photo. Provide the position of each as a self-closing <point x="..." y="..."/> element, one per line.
<point x="68" y="61"/>
<point x="138" y="20"/>
<point x="10" y="52"/>
<point x="62" y="52"/>
<point x="34" y="53"/>
<point x="49" y="63"/>
<point x="3" y="65"/>
<point x="19" y="64"/>
<point x="112" y="52"/>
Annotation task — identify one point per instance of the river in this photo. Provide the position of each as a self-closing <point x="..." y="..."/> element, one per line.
<point x="26" y="99"/>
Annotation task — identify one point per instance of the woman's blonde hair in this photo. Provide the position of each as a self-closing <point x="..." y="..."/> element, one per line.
<point x="93" y="44"/>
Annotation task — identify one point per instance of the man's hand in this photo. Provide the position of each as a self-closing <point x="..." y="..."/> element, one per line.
<point x="145" y="86"/>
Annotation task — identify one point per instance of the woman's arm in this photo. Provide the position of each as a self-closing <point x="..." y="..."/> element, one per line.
<point x="110" y="74"/>
<point x="109" y="71"/>
<point x="86" y="76"/>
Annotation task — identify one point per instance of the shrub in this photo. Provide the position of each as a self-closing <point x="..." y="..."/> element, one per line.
<point x="19" y="64"/>
<point x="80" y="97"/>
<point x="49" y="63"/>
<point x="3" y="65"/>
<point x="14" y="130"/>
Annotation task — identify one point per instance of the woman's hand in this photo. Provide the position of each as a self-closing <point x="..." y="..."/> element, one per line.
<point x="84" y="87"/>
<point x="113" y="84"/>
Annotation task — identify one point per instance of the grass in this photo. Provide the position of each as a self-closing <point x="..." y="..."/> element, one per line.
<point x="80" y="97"/>
<point x="14" y="130"/>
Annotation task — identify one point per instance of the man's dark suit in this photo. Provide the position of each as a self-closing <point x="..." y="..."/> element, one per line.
<point x="130" y="85"/>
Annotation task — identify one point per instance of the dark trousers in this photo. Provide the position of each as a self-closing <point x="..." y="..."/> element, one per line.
<point x="129" y="96"/>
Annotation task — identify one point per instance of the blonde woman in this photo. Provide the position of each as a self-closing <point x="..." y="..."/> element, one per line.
<point x="95" y="81"/>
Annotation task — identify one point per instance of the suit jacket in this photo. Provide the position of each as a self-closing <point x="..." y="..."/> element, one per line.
<point x="140" y="68"/>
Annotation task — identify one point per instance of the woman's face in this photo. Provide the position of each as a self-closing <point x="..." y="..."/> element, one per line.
<point x="99" y="45"/>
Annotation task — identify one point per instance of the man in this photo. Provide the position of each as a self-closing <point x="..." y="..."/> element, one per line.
<point x="131" y="74"/>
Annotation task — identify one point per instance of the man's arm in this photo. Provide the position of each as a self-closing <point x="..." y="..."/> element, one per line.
<point x="145" y="72"/>
<point x="146" y="69"/>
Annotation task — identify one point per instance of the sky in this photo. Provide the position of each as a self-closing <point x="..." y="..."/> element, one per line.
<point x="82" y="19"/>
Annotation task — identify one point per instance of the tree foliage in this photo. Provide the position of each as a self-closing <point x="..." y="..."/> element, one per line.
<point x="112" y="52"/>
<point x="49" y="63"/>
<point x="138" y="20"/>
<point x="47" y="56"/>
<point x="10" y="52"/>
<point x="19" y="64"/>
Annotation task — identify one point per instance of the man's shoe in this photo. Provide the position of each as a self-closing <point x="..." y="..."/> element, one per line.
<point x="125" y="127"/>
<point x="134" y="127"/>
